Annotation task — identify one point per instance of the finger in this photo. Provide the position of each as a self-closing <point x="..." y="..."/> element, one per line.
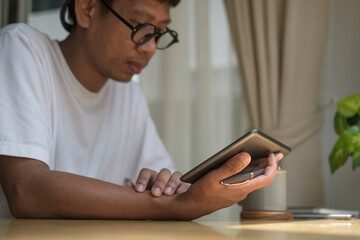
<point x="279" y="156"/>
<point x="130" y="184"/>
<point x="264" y="164"/>
<point x="252" y="167"/>
<point x="257" y="161"/>
<point x="183" y="187"/>
<point x="261" y="163"/>
<point x="268" y="176"/>
<point x="232" y="166"/>
<point x="160" y="181"/>
<point x="144" y="179"/>
<point x="271" y="169"/>
<point x="173" y="184"/>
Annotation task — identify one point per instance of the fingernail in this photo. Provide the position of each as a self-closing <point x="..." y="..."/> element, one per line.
<point x="140" y="187"/>
<point x="157" y="191"/>
<point x="168" y="190"/>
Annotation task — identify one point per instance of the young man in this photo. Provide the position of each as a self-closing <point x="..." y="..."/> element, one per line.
<point x="70" y="137"/>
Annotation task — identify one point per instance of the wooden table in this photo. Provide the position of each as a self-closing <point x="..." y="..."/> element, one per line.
<point x="255" y="229"/>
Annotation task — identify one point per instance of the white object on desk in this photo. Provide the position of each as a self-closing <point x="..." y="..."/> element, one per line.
<point x="270" y="198"/>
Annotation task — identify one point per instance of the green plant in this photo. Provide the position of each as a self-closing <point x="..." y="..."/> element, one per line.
<point x="347" y="126"/>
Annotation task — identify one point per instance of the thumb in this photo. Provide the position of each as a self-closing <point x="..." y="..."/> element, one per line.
<point x="233" y="166"/>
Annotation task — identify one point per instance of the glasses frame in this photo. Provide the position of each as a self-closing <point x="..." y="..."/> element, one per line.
<point x="157" y="32"/>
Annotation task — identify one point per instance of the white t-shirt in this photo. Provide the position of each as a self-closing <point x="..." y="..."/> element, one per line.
<point x="46" y="114"/>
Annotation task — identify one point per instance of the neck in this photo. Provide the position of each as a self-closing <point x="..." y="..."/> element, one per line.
<point x="80" y="64"/>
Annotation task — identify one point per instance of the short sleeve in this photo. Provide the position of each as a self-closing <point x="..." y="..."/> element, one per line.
<point x="25" y="129"/>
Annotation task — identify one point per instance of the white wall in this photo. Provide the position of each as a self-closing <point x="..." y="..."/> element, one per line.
<point x="48" y="22"/>
<point x="341" y="78"/>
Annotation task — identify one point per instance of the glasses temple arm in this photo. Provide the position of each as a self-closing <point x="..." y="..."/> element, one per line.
<point x="118" y="16"/>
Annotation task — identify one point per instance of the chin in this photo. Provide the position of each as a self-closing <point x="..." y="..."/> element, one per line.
<point x="124" y="79"/>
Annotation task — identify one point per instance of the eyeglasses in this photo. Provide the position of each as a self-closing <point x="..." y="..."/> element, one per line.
<point x="143" y="33"/>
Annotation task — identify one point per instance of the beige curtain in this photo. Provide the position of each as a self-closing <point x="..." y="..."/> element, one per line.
<point x="280" y="46"/>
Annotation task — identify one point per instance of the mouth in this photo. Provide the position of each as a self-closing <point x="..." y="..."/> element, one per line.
<point x="136" y="67"/>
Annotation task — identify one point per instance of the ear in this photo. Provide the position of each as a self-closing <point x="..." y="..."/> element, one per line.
<point x="84" y="10"/>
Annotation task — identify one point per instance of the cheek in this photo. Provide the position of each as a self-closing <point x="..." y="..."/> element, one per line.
<point x="108" y="54"/>
<point x="110" y="48"/>
<point x="115" y="43"/>
<point x="116" y="63"/>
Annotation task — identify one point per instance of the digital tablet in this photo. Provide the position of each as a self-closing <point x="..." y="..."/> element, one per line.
<point x="256" y="143"/>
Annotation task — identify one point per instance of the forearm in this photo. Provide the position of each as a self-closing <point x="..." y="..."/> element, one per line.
<point x="64" y="195"/>
<point x="34" y="191"/>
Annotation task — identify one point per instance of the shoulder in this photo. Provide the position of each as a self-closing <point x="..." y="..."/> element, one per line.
<point x="27" y="60"/>
<point x="22" y="29"/>
<point x="23" y="34"/>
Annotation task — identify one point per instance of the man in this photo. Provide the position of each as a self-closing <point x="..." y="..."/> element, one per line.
<point x="70" y="137"/>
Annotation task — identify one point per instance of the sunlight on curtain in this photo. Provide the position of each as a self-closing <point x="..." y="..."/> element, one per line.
<point x="281" y="46"/>
<point x="193" y="88"/>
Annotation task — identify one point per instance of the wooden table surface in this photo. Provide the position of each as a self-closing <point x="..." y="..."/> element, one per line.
<point x="250" y="229"/>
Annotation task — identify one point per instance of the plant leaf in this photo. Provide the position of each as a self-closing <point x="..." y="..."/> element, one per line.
<point x="340" y="123"/>
<point x="349" y="106"/>
<point x="351" y="136"/>
<point x="339" y="153"/>
<point x="355" y="159"/>
<point x="352" y="131"/>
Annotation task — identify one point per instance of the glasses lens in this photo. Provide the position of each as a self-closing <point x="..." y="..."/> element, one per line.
<point x="144" y="34"/>
<point x="165" y="40"/>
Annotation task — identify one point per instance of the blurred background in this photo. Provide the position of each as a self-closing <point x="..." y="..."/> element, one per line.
<point x="219" y="82"/>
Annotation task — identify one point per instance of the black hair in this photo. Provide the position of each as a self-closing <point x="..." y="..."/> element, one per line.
<point x="69" y="6"/>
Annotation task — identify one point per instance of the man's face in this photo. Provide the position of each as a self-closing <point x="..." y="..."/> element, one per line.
<point x="109" y="45"/>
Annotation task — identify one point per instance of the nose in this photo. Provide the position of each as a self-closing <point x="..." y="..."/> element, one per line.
<point x="149" y="47"/>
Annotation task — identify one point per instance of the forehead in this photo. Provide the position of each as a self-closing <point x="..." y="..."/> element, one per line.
<point x="153" y="10"/>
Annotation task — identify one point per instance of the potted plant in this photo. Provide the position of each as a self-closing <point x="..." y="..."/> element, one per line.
<point x="347" y="126"/>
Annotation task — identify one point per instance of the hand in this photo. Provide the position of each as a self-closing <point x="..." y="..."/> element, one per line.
<point x="159" y="183"/>
<point x="208" y="194"/>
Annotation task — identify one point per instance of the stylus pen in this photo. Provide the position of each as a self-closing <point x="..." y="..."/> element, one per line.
<point x="242" y="177"/>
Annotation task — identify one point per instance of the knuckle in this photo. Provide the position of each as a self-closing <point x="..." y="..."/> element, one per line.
<point x="233" y="165"/>
<point x="177" y="173"/>
<point x="239" y="162"/>
<point x="173" y="183"/>
<point x="244" y="158"/>
<point x="144" y="171"/>
<point x="141" y="180"/>
<point x="160" y="182"/>
<point x="144" y="176"/>
<point x="165" y="171"/>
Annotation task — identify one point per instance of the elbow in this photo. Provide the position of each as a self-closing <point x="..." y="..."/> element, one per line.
<point x="17" y="205"/>
<point x="20" y="179"/>
<point x="16" y="211"/>
<point x="19" y="202"/>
